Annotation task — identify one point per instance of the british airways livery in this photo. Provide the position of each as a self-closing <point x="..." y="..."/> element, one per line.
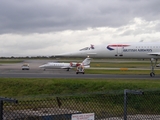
<point x="113" y="46"/>
<point x="139" y="50"/>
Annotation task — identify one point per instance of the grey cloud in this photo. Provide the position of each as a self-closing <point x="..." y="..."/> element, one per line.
<point x="39" y="16"/>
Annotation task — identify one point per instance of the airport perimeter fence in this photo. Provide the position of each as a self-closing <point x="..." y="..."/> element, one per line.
<point x="124" y="105"/>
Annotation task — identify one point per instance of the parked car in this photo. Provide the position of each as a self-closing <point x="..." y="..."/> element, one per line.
<point x="25" y="67"/>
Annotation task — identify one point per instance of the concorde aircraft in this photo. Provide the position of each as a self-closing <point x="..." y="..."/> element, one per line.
<point x="52" y="65"/>
<point x="139" y="50"/>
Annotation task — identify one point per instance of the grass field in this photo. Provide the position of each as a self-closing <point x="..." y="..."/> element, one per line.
<point x="16" y="87"/>
<point x="120" y="64"/>
<point x="123" y="71"/>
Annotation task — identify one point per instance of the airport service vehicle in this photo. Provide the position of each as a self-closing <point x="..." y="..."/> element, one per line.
<point x="139" y="50"/>
<point x="80" y="69"/>
<point x="52" y="65"/>
<point x="25" y="67"/>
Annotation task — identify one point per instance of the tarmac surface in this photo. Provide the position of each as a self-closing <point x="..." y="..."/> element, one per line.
<point x="15" y="71"/>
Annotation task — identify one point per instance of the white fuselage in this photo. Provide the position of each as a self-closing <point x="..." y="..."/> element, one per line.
<point x="55" y="65"/>
<point x="140" y="50"/>
<point x="127" y="50"/>
<point x="52" y="65"/>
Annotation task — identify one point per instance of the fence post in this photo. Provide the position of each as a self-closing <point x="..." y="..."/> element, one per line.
<point x="1" y="110"/>
<point x="1" y="104"/>
<point x="126" y="91"/>
<point x="125" y="105"/>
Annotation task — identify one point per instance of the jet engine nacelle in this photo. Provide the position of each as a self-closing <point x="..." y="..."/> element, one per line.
<point x="74" y="64"/>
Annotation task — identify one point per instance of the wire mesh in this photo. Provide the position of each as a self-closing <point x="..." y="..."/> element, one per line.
<point x="106" y="106"/>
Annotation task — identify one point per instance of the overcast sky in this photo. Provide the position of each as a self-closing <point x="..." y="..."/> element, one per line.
<point x="48" y="27"/>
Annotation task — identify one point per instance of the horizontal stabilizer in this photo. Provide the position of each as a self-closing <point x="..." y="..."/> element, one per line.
<point x="88" y="66"/>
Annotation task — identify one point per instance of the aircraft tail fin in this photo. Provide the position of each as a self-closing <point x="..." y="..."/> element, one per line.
<point x="86" y="62"/>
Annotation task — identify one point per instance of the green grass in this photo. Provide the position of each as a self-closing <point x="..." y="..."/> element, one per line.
<point x="25" y="89"/>
<point x="16" y="87"/>
<point x="145" y="64"/>
<point x="121" y="72"/>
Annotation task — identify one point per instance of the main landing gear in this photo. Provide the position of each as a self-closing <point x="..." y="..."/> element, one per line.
<point x="153" y="64"/>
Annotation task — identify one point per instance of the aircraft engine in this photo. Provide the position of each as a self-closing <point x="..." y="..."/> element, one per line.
<point x="74" y="64"/>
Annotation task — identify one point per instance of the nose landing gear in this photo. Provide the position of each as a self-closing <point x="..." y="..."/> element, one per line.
<point x="153" y="64"/>
<point x="152" y="74"/>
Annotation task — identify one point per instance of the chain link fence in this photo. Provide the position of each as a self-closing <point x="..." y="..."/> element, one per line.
<point x="105" y="106"/>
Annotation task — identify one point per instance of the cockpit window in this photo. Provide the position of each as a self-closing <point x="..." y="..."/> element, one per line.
<point x="86" y="48"/>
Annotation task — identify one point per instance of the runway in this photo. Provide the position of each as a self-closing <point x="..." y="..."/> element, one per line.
<point x="85" y="76"/>
<point x="66" y="74"/>
<point x="14" y="71"/>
